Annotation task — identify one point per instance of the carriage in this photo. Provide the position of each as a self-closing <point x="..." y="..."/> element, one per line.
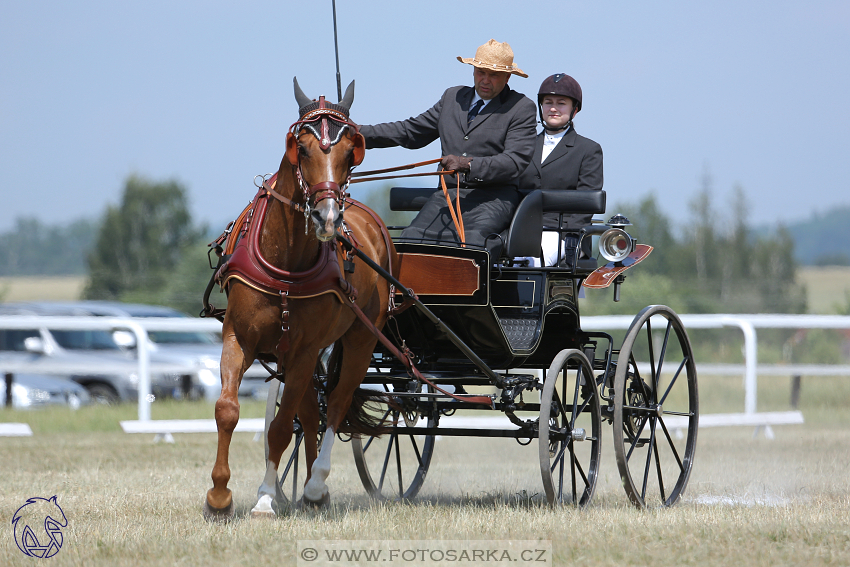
<point x="484" y="318"/>
<point x="475" y="331"/>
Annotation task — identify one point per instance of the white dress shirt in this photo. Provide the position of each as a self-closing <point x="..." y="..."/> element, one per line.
<point x="550" y="141"/>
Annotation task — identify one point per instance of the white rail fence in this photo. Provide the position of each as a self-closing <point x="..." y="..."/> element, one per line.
<point x="750" y="370"/>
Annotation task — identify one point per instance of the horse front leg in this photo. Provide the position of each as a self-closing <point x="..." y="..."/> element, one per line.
<point x="218" y="505"/>
<point x="270" y="490"/>
<point x="279" y="435"/>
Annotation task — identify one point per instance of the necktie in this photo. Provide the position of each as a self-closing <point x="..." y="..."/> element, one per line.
<point x="473" y="112"/>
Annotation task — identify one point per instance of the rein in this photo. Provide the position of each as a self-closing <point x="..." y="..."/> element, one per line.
<point x="363" y="174"/>
<point x="454" y="210"/>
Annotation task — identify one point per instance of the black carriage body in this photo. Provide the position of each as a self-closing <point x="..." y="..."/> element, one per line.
<point x="517" y="317"/>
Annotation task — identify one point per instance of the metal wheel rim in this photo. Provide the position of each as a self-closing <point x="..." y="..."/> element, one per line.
<point x="665" y="465"/>
<point x="570" y="476"/>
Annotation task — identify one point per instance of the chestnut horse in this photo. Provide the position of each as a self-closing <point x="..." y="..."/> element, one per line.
<point x="321" y="149"/>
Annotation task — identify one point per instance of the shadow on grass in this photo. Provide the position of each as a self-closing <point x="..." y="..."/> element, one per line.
<point x="345" y="504"/>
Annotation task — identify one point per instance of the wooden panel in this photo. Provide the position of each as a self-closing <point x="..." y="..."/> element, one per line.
<point x="428" y="274"/>
<point x="602" y="277"/>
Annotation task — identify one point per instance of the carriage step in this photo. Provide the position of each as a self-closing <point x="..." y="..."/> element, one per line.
<point x="521" y="332"/>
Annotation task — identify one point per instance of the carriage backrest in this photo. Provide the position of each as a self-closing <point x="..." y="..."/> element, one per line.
<point x="409" y="198"/>
<point x="526" y="230"/>
<point x="581" y="202"/>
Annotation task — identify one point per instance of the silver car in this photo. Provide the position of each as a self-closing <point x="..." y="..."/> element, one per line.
<point x="31" y="391"/>
<point x="198" y="352"/>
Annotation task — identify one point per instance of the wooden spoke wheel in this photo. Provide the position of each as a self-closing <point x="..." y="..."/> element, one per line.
<point x="570" y="427"/>
<point x="656" y="408"/>
<point x="394" y="466"/>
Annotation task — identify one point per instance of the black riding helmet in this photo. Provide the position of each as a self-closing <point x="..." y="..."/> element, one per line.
<point x="560" y="84"/>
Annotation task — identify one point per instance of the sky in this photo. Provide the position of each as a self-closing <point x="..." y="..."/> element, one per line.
<point x="741" y="92"/>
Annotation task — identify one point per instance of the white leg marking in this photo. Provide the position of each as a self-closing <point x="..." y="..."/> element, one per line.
<point x="266" y="493"/>
<point x="316" y="488"/>
<point x="263" y="507"/>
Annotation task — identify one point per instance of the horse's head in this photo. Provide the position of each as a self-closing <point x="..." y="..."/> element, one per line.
<point x="323" y="147"/>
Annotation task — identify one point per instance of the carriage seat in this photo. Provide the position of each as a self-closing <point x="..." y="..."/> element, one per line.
<point x="526" y="230"/>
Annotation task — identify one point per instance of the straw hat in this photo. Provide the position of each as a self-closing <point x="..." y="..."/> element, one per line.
<point x="496" y="57"/>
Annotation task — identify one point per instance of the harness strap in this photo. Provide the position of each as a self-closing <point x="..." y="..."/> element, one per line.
<point x="384" y="232"/>
<point x="297" y="206"/>
<point x="405" y="359"/>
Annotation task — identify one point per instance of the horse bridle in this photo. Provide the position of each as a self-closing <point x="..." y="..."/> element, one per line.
<point x="320" y="117"/>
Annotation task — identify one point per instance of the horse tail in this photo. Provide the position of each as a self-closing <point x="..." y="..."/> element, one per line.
<point x="367" y="415"/>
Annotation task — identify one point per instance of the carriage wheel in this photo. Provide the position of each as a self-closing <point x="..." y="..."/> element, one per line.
<point x="655" y="400"/>
<point x="570" y="426"/>
<point x="393" y="467"/>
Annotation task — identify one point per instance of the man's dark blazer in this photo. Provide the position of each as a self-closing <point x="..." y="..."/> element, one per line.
<point x="500" y="142"/>
<point x="500" y="139"/>
<point x="574" y="164"/>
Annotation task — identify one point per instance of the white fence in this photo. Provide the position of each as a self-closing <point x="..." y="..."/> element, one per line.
<point x="746" y="323"/>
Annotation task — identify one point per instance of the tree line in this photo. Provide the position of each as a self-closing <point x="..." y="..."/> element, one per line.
<point x="713" y="263"/>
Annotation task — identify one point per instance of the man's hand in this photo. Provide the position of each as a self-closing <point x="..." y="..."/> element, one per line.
<point x="456" y="163"/>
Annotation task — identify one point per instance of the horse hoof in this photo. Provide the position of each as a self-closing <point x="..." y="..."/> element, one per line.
<point x="315" y="504"/>
<point x="263" y="509"/>
<point x="219" y="515"/>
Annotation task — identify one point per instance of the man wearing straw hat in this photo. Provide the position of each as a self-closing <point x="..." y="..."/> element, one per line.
<point x="487" y="133"/>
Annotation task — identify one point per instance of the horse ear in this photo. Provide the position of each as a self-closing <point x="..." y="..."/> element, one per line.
<point x="359" y="151"/>
<point x="302" y="99"/>
<point x="348" y="97"/>
<point x="292" y="148"/>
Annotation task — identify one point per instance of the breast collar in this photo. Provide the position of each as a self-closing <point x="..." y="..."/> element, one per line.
<point x="248" y="265"/>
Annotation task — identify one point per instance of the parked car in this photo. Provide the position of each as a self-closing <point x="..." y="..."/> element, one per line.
<point x="199" y="352"/>
<point x="37" y="390"/>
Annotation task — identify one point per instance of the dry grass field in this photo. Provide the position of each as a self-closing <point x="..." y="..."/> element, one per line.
<point x="826" y="287"/>
<point x="35" y="288"/>
<point x="751" y="501"/>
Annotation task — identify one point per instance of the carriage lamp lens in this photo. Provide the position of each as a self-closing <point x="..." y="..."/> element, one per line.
<point x="615" y="244"/>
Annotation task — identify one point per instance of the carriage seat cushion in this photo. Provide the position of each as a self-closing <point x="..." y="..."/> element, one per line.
<point x="409" y="198"/>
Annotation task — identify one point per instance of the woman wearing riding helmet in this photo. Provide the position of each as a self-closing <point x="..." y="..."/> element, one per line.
<point x="562" y="159"/>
